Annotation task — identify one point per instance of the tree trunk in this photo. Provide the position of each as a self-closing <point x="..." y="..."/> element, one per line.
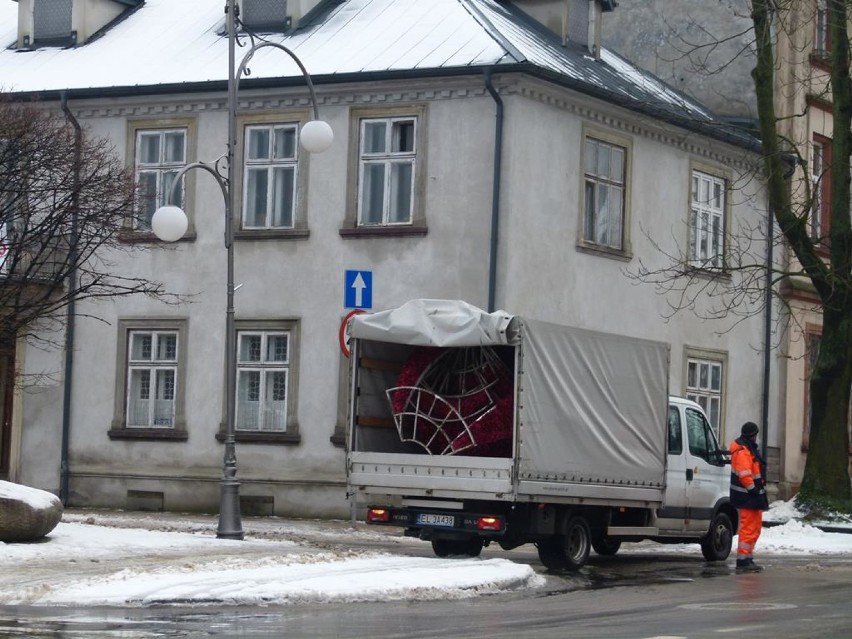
<point x="826" y="474"/>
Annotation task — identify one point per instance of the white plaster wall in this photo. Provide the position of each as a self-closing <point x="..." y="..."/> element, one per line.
<point x="542" y="274"/>
<point x="545" y="274"/>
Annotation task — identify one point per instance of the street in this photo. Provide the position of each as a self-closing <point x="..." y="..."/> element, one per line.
<point x="647" y="591"/>
<point x="643" y="596"/>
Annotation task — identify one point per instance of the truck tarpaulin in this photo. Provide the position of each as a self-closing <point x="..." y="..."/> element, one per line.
<point x="593" y="407"/>
<point x="590" y="408"/>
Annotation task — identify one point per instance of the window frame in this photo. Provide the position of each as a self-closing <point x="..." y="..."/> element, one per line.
<point x="352" y="224"/>
<point x="625" y="144"/>
<point x="157" y="369"/>
<point x="291" y="435"/>
<point x="119" y="429"/>
<point x="822" y="30"/>
<point x="300" y="229"/>
<point x="135" y="127"/>
<point x="695" y="209"/>
<point x="265" y="368"/>
<point x="698" y="392"/>
<point x="821" y="191"/>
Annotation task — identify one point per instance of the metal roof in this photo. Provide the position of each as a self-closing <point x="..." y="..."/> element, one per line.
<point x="174" y="44"/>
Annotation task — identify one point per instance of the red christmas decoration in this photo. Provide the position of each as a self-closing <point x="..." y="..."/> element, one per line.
<point x="455" y="400"/>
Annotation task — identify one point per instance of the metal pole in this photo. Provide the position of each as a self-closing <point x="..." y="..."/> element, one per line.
<point x="230" y="525"/>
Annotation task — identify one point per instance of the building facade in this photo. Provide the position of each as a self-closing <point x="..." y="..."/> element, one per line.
<point x="478" y="154"/>
<point x="705" y="50"/>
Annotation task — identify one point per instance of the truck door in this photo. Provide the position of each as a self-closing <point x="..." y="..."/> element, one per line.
<point x="672" y="516"/>
<point x="707" y="477"/>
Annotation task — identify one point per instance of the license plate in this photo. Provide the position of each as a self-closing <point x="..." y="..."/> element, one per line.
<point x="428" y="519"/>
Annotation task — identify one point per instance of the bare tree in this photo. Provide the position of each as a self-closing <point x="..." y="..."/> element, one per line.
<point x="65" y="200"/>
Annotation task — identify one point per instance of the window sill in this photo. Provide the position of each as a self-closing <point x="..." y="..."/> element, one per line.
<point x="150" y="434"/>
<point x="604" y="251"/>
<point x="258" y="437"/>
<point x="709" y="273"/>
<point x="338" y="440"/>
<point x="272" y="234"/>
<point x="383" y="231"/>
<point x="821" y="60"/>
<point x="129" y="236"/>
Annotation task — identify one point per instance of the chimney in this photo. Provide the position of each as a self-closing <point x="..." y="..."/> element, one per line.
<point x="577" y="21"/>
<point x="581" y="23"/>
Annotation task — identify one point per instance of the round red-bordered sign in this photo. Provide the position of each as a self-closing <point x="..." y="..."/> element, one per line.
<point x="344" y="341"/>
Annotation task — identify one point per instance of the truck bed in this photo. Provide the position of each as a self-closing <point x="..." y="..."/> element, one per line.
<point x="586" y="411"/>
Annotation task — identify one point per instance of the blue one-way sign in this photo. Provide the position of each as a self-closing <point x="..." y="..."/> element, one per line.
<point x="358" y="289"/>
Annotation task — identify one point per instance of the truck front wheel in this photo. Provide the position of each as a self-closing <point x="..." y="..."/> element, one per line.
<point x="569" y="551"/>
<point x="470" y="547"/>
<point x="716" y="545"/>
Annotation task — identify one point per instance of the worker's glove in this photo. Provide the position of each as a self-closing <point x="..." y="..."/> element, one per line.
<point x="754" y="491"/>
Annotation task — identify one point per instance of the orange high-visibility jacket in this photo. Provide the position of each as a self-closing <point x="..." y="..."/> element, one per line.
<point x="747" y="470"/>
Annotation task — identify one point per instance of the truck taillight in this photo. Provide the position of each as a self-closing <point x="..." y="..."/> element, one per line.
<point x="489" y="523"/>
<point x="378" y="514"/>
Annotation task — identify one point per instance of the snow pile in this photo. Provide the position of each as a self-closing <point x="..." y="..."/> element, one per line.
<point x="300" y="579"/>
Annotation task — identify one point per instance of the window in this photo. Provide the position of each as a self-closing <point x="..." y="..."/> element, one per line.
<point x="603" y="223"/>
<point x="702" y="438"/>
<point x="822" y="40"/>
<point x="160" y="155"/>
<point x="150" y="380"/>
<point x="52" y="21"/>
<point x="266" y="381"/>
<point x="675" y="435"/>
<point x="707" y="221"/>
<point x="704" y="387"/>
<point x="269" y="196"/>
<point x="387" y="171"/>
<point x="263" y="366"/>
<point x="820" y="190"/>
<point x="152" y="375"/>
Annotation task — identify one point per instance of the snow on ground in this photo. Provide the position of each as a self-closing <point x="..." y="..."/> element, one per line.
<point x="96" y="558"/>
<point x="79" y="564"/>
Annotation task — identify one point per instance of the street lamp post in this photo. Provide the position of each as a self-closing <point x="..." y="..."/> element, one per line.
<point x="169" y="223"/>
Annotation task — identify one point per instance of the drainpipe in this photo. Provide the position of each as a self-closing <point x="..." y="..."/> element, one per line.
<point x="767" y="333"/>
<point x="495" y="193"/>
<point x="70" y="309"/>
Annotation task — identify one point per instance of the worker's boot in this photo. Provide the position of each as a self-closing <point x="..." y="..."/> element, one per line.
<point x="747" y="565"/>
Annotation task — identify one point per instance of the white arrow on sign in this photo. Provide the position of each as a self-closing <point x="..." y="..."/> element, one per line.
<point x="359" y="286"/>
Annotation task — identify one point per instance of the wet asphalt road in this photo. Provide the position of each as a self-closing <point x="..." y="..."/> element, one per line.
<point x="645" y="595"/>
<point x="643" y="592"/>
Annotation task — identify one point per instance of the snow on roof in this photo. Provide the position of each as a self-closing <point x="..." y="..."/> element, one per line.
<point x="175" y="42"/>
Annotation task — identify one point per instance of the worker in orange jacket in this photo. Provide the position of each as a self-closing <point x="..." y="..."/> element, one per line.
<point x="748" y="494"/>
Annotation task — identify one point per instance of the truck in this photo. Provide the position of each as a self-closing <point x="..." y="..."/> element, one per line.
<point x="468" y="428"/>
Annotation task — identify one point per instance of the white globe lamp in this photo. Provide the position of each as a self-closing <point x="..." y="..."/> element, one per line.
<point x="316" y="136"/>
<point x="169" y="223"/>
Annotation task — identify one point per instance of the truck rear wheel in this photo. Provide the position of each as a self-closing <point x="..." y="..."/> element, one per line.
<point x="470" y="547"/>
<point x="716" y="545"/>
<point x="569" y="551"/>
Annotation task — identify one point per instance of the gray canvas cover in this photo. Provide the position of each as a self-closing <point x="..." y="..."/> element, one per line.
<point x="593" y="407"/>
<point x="426" y="322"/>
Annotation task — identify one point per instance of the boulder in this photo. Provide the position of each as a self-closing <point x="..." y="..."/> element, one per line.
<point x="27" y="514"/>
